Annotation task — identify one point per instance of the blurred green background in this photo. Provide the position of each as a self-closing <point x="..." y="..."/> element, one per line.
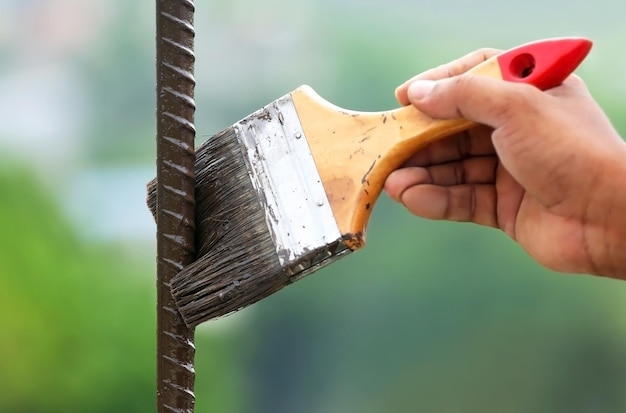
<point x="430" y="317"/>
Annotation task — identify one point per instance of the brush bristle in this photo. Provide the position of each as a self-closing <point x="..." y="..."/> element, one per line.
<point x="237" y="262"/>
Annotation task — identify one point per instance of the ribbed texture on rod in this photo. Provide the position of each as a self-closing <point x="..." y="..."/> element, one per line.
<point x="175" y="198"/>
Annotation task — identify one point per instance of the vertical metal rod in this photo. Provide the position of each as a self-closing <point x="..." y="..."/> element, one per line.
<point x="175" y="198"/>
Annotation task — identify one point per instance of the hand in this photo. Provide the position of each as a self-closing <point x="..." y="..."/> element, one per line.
<point x="548" y="168"/>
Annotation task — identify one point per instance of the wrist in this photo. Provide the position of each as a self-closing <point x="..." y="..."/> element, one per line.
<point x="610" y="246"/>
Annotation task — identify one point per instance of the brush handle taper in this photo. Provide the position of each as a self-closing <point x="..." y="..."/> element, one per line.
<point x="356" y="151"/>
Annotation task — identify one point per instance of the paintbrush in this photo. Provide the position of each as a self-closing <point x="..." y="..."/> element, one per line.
<point x="290" y="188"/>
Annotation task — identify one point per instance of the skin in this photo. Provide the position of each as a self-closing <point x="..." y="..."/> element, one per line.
<point x="547" y="168"/>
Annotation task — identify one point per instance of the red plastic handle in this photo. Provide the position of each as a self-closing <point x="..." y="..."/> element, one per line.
<point x="545" y="63"/>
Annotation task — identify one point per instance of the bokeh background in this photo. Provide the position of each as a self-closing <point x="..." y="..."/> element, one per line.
<point x="430" y="317"/>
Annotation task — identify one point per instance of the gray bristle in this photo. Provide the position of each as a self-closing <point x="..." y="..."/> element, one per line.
<point x="237" y="262"/>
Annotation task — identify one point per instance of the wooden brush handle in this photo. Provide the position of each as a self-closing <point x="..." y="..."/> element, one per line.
<point x="356" y="151"/>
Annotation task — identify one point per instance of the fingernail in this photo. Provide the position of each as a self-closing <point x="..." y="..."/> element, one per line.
<point x="420" y="89"/>
<point x="395" y="92"/>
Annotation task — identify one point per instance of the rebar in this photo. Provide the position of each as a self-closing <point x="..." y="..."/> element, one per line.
<point x="175" y="198"/>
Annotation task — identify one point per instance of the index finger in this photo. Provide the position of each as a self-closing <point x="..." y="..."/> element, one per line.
<point x="453" y="68"/>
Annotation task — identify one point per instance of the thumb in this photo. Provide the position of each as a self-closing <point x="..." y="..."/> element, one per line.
<point x="525" y="135"/>
<point x="492" y="102"/>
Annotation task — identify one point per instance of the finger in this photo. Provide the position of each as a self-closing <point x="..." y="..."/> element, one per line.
<point x="474" y="142"/>
<point x="479" y="98"/>
<point x="510" y="197"/>
<point x="478" y="170"/>
<point x="402" y="179"/>
<point x="572" y="86"/>
<point x="462" y="203"/>
<point x="453" y="68"/>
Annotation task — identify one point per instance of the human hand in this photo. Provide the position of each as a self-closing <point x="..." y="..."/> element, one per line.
<point x="548" y="168"/>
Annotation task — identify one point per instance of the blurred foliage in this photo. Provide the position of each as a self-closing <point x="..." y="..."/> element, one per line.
<point x="70" y="312"/>
<point x="77" y="322"/>
<point x="429" y="317"/>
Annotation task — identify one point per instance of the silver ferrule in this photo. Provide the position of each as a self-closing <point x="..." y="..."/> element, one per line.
<point x="289" y="187"/>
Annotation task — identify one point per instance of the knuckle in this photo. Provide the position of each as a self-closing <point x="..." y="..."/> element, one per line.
<point x="464" y="82"/>
<point x="576" y="78"/>
<point x="461" y="90"/>
<point x="487" y="52"/>
<point x="525" y="99"/>
<point x="473" y="204"/>
<point x="459" y="173"/>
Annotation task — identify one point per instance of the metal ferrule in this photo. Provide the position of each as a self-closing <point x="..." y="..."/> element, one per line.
<point x="289" y="187"/>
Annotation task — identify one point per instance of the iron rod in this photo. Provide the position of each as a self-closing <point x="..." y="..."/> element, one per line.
<point x="175" y="198"/>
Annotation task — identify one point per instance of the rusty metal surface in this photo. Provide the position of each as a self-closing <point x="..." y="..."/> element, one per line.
<point x="175" y="198"/>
